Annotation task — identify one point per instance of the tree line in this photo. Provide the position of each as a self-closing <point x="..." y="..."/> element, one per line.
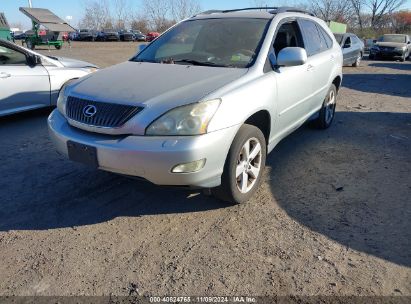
<point x="367" y="18"/>
<point x="154" y="15"/>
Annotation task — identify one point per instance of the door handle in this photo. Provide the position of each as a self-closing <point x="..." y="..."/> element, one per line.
<point x="4" y="75"/>
<point x="310" y="68"/>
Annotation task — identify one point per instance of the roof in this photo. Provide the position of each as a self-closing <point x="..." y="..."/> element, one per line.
<point x="46" y="18"/>
<point x="252" y="12"/>
<point x="3" y="21"/>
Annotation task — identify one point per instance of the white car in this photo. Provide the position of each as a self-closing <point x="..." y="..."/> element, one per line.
<point x="29" y="80"/>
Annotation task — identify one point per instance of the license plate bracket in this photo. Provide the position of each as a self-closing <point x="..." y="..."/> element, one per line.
<point x="82" y="153"/>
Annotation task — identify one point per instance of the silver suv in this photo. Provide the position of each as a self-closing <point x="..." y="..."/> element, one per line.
<point x="203" y="104"/>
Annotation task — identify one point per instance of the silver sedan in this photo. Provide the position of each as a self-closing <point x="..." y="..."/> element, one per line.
<point x="29" y="80"/>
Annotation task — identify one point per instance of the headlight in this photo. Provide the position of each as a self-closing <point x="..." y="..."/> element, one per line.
<point x="90" y="70"/>
<point x="401" y="49"/>
<point x="192" y="119"/>
<point x="62" y="99"/>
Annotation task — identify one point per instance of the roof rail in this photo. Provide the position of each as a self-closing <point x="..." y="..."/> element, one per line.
<point x="285" y="9"/>
<point x="270" y="9"/>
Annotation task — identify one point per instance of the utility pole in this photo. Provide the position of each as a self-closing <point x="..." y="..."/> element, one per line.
<point x="30" y="4"/>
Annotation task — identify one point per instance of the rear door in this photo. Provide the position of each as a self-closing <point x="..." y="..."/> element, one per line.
<point x="320" y="63"/>
<point x="22" y="87"/>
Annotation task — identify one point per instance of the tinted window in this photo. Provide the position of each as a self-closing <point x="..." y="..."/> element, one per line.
<point x="339" y="38"/>
<point x="326" y="38"/>
<point x="314" y="43"/>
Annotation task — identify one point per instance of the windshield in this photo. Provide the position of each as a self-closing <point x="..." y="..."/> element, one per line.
<point x="339" y="38"/>
<point x="393" y="38"/>
<point x="230" y="42"/>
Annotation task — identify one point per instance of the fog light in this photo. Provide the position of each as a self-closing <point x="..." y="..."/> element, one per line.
<point x="190" y="167"/>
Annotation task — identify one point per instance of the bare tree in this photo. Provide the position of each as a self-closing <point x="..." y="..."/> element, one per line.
<point x="182" y="9"/>
<point x="381" y="8"/>
<point x="140" y="23"/>
<point x="157" y="12"/>
<point x="336" y="10"/>
<point x="97" y="14"/>
<point x="121" y="10"/>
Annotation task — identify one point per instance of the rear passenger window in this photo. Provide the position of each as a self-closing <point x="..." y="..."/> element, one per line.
<point x="326" y="38"/>
<point x="314" y="42"/>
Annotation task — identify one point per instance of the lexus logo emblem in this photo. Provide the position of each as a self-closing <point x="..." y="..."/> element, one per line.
<point x="89" y="111"/>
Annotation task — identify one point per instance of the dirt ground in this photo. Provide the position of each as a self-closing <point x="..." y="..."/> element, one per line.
<point x="333" y="216"/>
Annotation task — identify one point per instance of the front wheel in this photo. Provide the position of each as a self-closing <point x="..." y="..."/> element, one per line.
<point x="30" y="44"/>
<point x="244" y="166"/>
<point x="357" y="62"/>
<point x="57" y="46"/>
<point x="327" y="111"/>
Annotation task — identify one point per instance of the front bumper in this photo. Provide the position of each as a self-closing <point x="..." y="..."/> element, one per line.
<point x="151" y="158"/>
<point x="387" y="53"/>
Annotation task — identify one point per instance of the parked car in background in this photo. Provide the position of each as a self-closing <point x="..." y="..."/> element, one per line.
<point x="208" y="106"/>
<point x="74" y="36"/>
<point x="151" y="36"/>
<point x="352" y="48"/>
<point x="108" y="35"/>
<point x="29" y="80"/>
<point x="86" y="35"/>
<point x="396" y="46"/>
<point x="368" y="44"/>
<point x="126" y="35"/>
<point x="139" y="36"/>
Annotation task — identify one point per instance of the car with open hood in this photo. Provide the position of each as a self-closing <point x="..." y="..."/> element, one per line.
<point x="29" y="80"/>
<point x="203" y="104"/>
<point x="397" y="46"/>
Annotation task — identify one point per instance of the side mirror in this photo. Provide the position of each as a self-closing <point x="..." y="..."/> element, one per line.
<point x="142" y="47"/>
<point x="409" y="42"/>
<point x="291" y="56"/>
<point x="33" y="60"/>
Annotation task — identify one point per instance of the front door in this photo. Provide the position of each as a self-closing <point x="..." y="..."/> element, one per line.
<point x="22" y="87"/>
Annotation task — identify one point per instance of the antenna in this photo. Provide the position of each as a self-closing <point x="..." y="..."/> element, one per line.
<point x="30" y="4"/>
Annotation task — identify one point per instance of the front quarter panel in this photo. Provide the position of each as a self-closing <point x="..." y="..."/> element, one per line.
<point x="59" y="76"/>
<point x="245" y="99"/>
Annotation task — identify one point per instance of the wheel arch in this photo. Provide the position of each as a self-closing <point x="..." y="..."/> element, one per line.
<point x="261" y="120"/>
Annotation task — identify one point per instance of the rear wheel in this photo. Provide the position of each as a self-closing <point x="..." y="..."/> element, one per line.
<point x="57" y="46"/>
<point x="327" y="111"/>
<point x="244" y="166"/>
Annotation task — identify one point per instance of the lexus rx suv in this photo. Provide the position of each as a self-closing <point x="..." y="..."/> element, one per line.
<point x="203" y="104"/>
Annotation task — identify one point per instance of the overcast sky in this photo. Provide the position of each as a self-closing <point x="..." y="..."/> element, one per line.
<point x="75" y="8"/>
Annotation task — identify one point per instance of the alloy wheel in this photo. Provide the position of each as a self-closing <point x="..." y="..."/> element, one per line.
<point x="248" y="165"/>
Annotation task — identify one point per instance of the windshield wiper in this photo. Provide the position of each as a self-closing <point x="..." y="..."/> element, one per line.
<point x="200" y="63"/>
<point x="143" y="60"/>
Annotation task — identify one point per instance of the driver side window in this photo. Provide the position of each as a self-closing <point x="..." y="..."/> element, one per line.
<point x="11" y="57"/>
<point x="288" y="35"/>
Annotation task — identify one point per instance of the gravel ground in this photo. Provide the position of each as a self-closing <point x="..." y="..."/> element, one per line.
<point x="333" y="216"/>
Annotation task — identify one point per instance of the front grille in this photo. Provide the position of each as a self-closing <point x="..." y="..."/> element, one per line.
<point x="107" y="115"/>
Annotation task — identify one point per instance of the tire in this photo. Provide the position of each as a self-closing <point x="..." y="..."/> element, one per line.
<point x="402" y="59"/>
<point x="30" y="45"/>
<point x="239" y="166"/>
<point x="327" y="112"/>
<point x="371" y="57"/>
<point x="58" y="47"/>
<point x="357" y="62"/>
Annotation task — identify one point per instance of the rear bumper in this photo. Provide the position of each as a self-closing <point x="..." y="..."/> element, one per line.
<point x="151" y="158"/>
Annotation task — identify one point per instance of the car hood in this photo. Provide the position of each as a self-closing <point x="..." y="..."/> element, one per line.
<point x="162" y="86"/>
<point x="73" y="63"/>
<point x="390" y="44"/>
